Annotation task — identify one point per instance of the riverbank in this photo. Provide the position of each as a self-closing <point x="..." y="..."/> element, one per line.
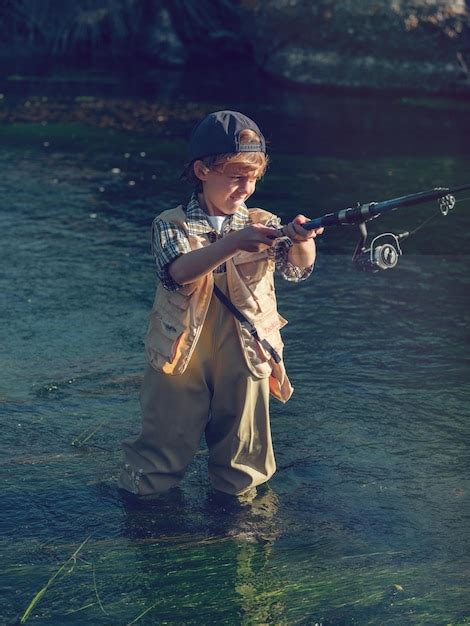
<point x="401" y="45"/>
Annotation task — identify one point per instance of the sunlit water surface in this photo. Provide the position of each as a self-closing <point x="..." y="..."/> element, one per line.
<point x="366" y="521"/>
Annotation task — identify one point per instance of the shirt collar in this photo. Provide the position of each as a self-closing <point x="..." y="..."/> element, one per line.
<point x="198" y="223"/>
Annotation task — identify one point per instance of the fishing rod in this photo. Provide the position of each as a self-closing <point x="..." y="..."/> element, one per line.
<point x="384" y="250"/>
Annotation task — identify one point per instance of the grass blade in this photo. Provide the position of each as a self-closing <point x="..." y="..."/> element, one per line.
<point x="149" y="608"/>
<point x="44" y="589"/>
<point x="78" y="442"/>
<point x="96" y="591"/>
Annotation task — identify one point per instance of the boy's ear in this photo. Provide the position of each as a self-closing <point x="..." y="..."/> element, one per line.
<point x="200" y="170"/>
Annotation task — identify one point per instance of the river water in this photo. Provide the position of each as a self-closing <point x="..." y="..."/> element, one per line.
<point x="366" y="521"/>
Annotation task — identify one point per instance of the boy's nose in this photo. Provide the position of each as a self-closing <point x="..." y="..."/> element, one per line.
<point x="246" y="184"/>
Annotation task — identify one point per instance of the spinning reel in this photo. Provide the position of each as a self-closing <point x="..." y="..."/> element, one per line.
<point x="382" y="254"/>
<point x="384" y="250"/>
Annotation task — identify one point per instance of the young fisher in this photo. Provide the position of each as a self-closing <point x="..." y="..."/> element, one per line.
<point x="213" y="344"/>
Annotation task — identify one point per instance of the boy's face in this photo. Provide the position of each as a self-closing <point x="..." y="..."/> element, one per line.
<point x="224" y="190"/>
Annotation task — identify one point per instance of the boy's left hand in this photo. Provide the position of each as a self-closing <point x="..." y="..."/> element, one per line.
<point x="297" y="234"/>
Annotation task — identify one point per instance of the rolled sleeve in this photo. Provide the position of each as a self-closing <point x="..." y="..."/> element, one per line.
<point x="169" y="241"/>
<point x="288" y="270"/>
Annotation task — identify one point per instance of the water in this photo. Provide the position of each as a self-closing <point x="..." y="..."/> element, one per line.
<point x="366" y="521"/>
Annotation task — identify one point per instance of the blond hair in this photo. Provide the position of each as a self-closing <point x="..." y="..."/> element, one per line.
<point x="249" y="161"/>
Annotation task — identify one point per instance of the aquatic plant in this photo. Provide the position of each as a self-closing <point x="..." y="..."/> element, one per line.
<point x="83" y="438"/>
<point x="41" y="593"/>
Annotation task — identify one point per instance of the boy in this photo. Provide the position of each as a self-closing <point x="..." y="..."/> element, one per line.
<point x="213" y="363"/>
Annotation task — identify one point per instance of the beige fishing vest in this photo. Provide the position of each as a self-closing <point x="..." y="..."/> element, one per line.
<point x="177" y="317"/>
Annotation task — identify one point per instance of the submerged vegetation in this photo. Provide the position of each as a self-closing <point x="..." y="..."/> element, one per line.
<point x="378" y="589"/>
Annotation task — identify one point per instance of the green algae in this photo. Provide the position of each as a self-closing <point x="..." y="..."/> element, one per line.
<point x="87" y="138"/>
<point x="216" y="579"/>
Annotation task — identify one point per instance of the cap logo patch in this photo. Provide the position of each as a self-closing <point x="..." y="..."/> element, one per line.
<point x="250" y="147"/>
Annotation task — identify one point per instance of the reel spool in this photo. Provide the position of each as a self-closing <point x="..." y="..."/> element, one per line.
<point x="383" y="254"/>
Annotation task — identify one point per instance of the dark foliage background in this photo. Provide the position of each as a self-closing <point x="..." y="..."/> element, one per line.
<point x="424" y="43"/>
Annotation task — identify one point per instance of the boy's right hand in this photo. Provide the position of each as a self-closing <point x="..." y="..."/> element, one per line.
<point x="254" y="238"/>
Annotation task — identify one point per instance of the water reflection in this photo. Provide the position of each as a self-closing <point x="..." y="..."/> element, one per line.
<point x="227" y="541"/>
<point x="172" y="515"/>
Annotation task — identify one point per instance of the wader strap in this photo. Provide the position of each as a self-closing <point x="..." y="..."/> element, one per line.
<point x="246" y="324"/>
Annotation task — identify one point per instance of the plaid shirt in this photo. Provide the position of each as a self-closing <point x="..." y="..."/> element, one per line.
<point x="169" y="241"/>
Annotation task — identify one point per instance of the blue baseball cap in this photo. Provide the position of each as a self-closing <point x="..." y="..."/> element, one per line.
<point x="219" y="133"/>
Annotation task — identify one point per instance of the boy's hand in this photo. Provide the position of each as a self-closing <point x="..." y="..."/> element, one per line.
<point x="254" y="238"/>
<point x="297" y="234"/>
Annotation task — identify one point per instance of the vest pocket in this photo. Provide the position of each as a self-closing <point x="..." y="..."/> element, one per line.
<point x="166" y="300"/>
<point x="268" y="327"/>
<point x="170" y="305"/>
<point x="256" y="273"/>
<point x="252" y="266"/>
<point x="162" y="338"/>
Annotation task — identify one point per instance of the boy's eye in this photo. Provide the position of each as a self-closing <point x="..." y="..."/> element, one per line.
<point x="238" y="178"/>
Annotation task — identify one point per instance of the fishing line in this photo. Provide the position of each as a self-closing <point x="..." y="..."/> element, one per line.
<point x="433" y="216"/>
<point x="463" y="199"/>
